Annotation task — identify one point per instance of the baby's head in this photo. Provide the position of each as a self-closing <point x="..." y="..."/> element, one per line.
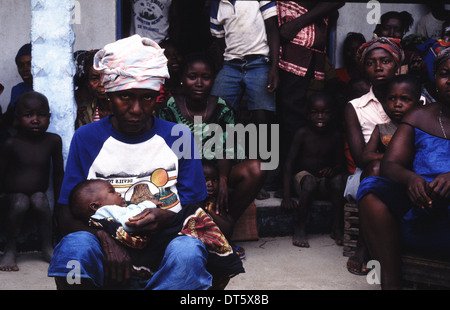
<point x="403" y="94"/>
<point x="211" y="173"/>
<point x="90" y="195"/>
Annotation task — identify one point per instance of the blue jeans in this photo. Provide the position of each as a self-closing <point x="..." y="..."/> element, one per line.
<point x="249" y="76"/>
<point x="182" y="267"/>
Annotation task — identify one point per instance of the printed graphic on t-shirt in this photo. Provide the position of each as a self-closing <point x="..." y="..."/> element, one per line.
<point x="150" y="18"/>
<point x="152" y="177"/>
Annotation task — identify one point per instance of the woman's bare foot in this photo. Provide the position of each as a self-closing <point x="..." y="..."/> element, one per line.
<point x="8" y="262"/>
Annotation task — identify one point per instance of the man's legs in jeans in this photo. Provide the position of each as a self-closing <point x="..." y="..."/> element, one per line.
<point x="228" y="85"/>
<point x="184" y="256"/>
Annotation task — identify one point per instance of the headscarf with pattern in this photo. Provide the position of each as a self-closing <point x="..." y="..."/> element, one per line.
<point x="391" y="45"/>
<point x="133" y="62"/>
<point x="442" y="57"/>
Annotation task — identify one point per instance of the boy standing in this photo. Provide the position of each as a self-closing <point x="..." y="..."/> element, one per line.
<point x="25" y="164"/>
<point x="317" y="154"/>
<point x="23" y="63"/>
<point x="249" y="33"/>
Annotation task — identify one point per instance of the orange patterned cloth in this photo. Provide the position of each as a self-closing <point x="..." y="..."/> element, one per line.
<point x="201" y="226"/>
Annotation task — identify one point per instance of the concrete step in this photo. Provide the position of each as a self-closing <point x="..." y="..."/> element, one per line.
<point x="273" y="222"/>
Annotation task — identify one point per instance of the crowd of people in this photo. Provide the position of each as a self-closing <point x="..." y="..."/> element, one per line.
<point x="373" y="132"/>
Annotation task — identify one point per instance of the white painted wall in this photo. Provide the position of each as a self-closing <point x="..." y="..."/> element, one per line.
<point x="15" y="25"/>
<point x="94" y="26"/>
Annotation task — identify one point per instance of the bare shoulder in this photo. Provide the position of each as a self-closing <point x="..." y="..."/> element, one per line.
<point x="53" y="137"/>
<point x="9" y="143"/>
<point x="301" y="134"/>
<point x="420" y="116"/>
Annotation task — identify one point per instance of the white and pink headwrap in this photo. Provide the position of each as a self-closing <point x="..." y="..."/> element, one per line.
<point x="133" y="62"/>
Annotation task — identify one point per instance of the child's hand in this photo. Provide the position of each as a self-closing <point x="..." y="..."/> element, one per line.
<point x="288" y="204"/>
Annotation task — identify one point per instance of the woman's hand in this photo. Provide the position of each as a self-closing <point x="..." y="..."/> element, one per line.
<point x="419" y="191"/>
<point x="117" y="261"/>
<point x="150" y="220"/>
<point x="441" y="186"/>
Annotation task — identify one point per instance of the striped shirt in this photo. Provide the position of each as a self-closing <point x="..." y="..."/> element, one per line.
<point x="310" y="42"/>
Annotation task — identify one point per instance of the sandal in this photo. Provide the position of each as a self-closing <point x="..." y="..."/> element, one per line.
<point x="240" y="251"/>
<point x="361" y="269"/>
<point x="263" y="194"/>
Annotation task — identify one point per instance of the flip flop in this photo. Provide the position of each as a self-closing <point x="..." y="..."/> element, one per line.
<point x="240" y="251"/>
<point x="262" y="195"/>
<point x="360" y="263"/>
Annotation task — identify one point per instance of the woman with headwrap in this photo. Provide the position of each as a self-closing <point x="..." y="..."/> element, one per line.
<point x="96" y="106"/>
<point x="380" y="58"/>
<point x="143" y="157"/>
<point x="407" y="208"/>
